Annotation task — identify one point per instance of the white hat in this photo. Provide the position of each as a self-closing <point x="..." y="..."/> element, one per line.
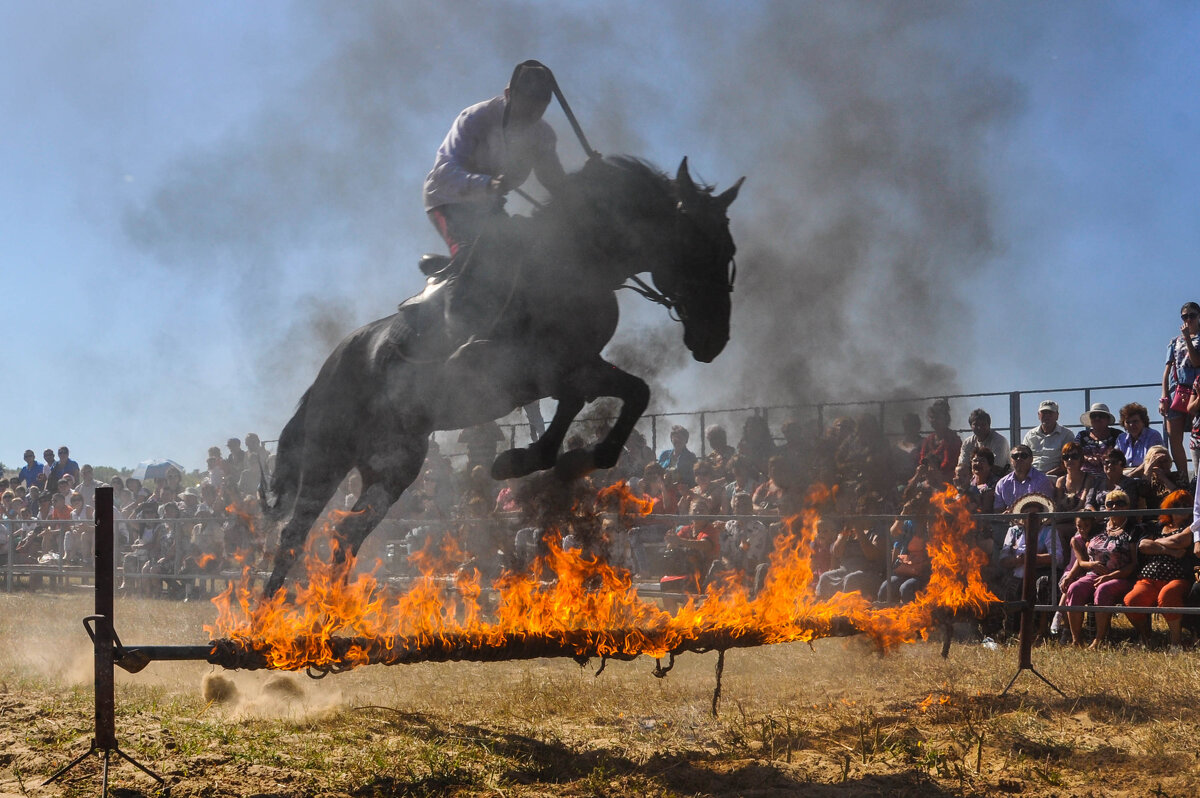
<point x="1099" y="407"/>
<point x="1048" y="404"/>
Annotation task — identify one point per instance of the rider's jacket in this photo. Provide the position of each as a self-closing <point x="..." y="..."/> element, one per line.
<point x="480" y="147"/>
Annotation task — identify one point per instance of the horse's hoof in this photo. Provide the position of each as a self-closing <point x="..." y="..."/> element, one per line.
<point x="511" y="464"/>
<point x="574" y="464"/>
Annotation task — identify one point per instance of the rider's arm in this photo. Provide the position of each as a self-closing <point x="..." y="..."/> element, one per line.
<point x="549" y="172"/>
<point x="451" y="179"/>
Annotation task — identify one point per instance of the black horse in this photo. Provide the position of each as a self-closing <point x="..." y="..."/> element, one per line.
<point x="537" y="297"/>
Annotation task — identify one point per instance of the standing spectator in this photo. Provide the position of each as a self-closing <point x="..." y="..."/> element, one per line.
<point x="63" y="467"/>
<point x="909" y="446"/>
<point x="1047" y="439"/>
<point x="756" y="446"/>
<point x="1138" y="436"/>
<point x="482" y="442"/>
<point x="1182" y="369"/>
<point x="636" y="455"/>
<point x="982" y="435"/>
<point x="940" y="449"/>
<point x="254" y="466"/>
<point x="235" y="462"/>
<point x="1098" y="437"/>
<point x="47" y="469"/>
<point x="679" y="458"/>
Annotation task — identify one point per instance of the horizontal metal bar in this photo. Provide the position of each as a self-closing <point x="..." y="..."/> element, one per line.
<point x="1111" y="610"/>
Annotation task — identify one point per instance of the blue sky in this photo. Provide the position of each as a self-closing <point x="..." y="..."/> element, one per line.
<point x="199" y="199"/>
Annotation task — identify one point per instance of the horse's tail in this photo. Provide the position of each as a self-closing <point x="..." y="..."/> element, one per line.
<point x="277" y="496"/>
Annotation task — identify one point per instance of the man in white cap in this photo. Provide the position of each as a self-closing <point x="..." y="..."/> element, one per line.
<point x="1047" y="439"/>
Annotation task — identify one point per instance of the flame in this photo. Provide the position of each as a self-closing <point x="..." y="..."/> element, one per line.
<point x="579" y="600"/>
<point x="204" y="559"/>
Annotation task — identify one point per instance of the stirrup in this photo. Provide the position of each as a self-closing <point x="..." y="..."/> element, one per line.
<point x="432" y="263"/>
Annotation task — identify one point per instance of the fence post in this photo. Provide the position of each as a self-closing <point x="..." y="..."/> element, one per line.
<point x="654" y="435"/>
<point x="702" y="428"/>
<point x="1014" y="418"/>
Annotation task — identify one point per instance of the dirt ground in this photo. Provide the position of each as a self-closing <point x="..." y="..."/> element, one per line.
<point x="831" y="719"/>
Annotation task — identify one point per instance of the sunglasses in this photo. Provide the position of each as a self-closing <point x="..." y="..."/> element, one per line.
<point x="1115" y="505"/>
<point x="1188" y="316"/>
<point x="1021" y="456"/>
<point x="1072" y="456"/>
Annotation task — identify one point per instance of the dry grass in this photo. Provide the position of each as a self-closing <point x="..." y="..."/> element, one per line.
<point x="833" y="719"/>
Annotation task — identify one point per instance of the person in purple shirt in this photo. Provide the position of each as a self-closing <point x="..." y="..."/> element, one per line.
<point x="1022" y="480"/>
<point x="1138" y="436"/>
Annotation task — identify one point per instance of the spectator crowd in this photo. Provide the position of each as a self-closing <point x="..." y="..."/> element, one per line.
<point x="715" y="516"/>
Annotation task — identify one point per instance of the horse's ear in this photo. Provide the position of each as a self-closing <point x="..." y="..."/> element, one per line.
<point x="683" y="178"/>
<point x="726" y="197"/>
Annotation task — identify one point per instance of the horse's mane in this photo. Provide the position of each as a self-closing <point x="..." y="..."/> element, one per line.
<point x="633" y="182"/>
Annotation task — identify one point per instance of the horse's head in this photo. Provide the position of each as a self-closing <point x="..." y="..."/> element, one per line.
<point x="698" y="278"/>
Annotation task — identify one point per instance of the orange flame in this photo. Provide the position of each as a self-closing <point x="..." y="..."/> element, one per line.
<point x="581" y="601"/>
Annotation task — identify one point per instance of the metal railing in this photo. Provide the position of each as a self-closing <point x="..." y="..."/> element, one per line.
<point x="1011" y="411"/>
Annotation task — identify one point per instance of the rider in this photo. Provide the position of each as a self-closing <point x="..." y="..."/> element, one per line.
<point x="490" y="150"/>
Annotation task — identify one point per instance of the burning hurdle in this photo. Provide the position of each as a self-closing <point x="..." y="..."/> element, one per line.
<point x="620" y="642"/>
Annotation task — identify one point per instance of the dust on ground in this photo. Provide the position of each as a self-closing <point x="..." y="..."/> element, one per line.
<point x="831" y="719"/>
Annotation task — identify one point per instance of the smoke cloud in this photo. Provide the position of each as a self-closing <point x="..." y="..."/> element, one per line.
<point x="865" y="138"/>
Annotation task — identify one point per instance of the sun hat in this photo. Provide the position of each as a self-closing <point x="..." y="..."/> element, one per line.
<point x="1099" y="407"/>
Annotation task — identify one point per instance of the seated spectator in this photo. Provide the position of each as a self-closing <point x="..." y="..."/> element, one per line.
<point x="982" y="435"/>
<point x="858" y="556"/>
<point x="1023" y="480"/>
<point x="1048" y="556"/>
<point x="145" y="547"/>
<point x="1138" y="436"/>
<point x="768" y="498"/>
<point x="1138" y="490"/>
<point x="78" y="539"/>
<point x="982" y="488"/>
<point x="940" y="449"/>
<point x="1164" y="574"/>
<point x="1047" y="439"/>
<point x="618" y="548"/>
<point x="719" y="450"/>
<point x="691" y="550"/>
<point x="1103" y="577"/>
<point x="679" y="458"/>
<point x="1156" y="472"/>
<point x="1098" y="437"/>
<point x="745" y="544"/>
<point x="911" y="565"/>
<point x="743" y="482"/>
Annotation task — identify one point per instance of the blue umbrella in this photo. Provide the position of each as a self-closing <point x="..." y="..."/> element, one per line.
<point x="155" y="469"/>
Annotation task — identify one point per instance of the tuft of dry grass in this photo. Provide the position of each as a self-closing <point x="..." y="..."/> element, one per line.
<point x="833" y="718"/>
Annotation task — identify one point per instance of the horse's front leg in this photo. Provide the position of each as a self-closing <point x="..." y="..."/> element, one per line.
<point x="602" y="378"/>
<point x="540" y="454"/>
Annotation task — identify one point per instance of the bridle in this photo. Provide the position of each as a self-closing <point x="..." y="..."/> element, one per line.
<point x="689" y="284"/>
